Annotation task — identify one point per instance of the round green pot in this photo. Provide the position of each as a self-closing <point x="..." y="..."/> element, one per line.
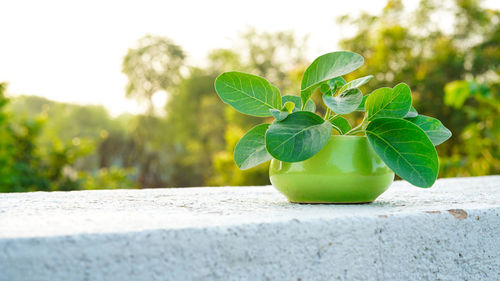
<point x="346" y="170"/>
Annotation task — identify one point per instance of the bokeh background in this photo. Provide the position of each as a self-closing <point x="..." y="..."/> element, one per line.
<point x="104" y="94"/>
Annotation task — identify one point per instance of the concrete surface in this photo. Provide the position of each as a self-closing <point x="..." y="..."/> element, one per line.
<point x="448" y="232"/>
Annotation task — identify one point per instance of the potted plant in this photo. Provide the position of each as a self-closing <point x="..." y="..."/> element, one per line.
<point x="325" y="160"/>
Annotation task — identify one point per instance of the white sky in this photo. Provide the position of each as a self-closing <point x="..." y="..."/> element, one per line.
<point x="72" y="51"/>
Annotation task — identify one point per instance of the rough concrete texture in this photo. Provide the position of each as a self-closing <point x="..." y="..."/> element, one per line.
<point x="448" y="232"/>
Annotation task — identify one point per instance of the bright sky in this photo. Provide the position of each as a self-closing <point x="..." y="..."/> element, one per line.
<point x="72" y="51"/>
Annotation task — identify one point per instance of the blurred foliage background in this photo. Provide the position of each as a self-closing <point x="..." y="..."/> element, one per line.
<point x="454" y="73"/>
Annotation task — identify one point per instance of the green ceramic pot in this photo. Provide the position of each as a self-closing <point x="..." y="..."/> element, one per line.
<point x="346" y="170"/>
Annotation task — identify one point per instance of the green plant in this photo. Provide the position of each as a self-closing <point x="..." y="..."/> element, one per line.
<point x="401" y="137"/>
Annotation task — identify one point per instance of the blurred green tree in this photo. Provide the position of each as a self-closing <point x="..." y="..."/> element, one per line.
<point x="45" y="145"/>
<point x="69" y="125"/>
<point x="106" y="178"/>
<point x="18" y="159"/>
<point x="153" y="66"/>
<point x="26" y="167"/>
<point x="478" y="152"/>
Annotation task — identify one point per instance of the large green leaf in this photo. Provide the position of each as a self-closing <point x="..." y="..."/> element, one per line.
<point x="345" y="102"/>
<point x="434" y="129"/>
<point x="301" y="135"/>
<point x="310" y="106"/>
<point x="340" y="124"/>
<point x="405" y="148"/>
<point x="326" y="67"/>
<point x="356" y="83"/>
<point x="247" y="93"/>
<point x="251" y="151"/>
<point x="387" y="102"/>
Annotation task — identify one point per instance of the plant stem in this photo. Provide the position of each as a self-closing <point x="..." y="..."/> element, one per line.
<point x="359" y="131"/>
<point x="358" y="128"/>
<point x="328" y="111"/>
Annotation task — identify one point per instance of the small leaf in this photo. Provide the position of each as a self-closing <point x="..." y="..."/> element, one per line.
<point x="340" y="124"/>
<point x="405" y="148"/>
<point x="301" y="135"/>
<point x="289" y="106"/>
<point x="325" y="88"/>
<point x="387" y="102"/>
<point x="291" y="98"/>
<point x="412" y="112"/>
<point x="345" y="102"/>
<point x="326" y="67"/>
<point x="310" y="106"/>
<point x="279" y="114"/>
<point x="356" y="83"/>
<point x="361" y="106"/>
<point x="434" y="129"/>
<point x="247" y="93"/>
<point x="332" y="85"/>
<point x="251" y="151"/>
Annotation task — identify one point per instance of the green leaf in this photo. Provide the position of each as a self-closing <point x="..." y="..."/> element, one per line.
<point x="301" y="135"/>
<point x="412" y="112"/>
<point x="340" y="124"/>
<point x="356" y="83"/>
<point x="332" y="85"/>
<point x="325" y="88"/>
<point x="291" y="98"/>
<point x="251" y="151"/>
<point x="288" y="106"/>
<point x="247" y="93"/>
<point x="405" y="148"/>
<point x="434" y="129"/>
<point x="387" y="102"/>
<point x="310" y="106"/>
<point x="345" y="102"/>
<point x="361" y="106"/>
<point x="326" y="67"/>
<point x="279" y="114"/>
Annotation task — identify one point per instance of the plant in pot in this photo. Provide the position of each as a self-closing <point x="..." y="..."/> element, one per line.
<point x="325" y="160"/>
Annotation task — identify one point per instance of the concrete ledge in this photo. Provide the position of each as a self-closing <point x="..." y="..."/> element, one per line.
<point x="448" y="232"/>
